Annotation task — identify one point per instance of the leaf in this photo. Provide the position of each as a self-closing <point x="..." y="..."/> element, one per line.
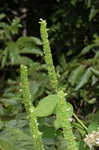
<point x="93" y="127"/>
<point x="36" y="89"/>
<point x="73" y="2"/>
<point x="95" y="72"/>
<point x="15" y="139"/>
<point x="93" y="117"/>
<point x="86" y="49"/>
<point x="79" y="128"/>
<point x="37" y="41"/>
<point x="27" y="40"/>
<point x="76" y="74"/>
<point x="26" y="61"/>
<point x="49" y="135"/>
<point x="16" y="123"/>
<point x="93" y="12"/>
<point x="84" y="79"/>
<point x="35" y="50"/>
<point x="4" y="58"/>
<point x="96" y="40"/>
<point x="2" y="16"/>
<point x="46" y="106"/>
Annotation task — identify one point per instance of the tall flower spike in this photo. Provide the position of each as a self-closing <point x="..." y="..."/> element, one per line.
<point x="48" y="55"/>
<point x="36" y="135"/>
<point x="67" y="129"/>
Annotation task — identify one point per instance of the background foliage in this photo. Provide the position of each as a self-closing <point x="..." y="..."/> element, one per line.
<point x="74" y="38"/>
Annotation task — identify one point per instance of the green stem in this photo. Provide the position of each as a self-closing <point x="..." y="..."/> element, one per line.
<point x="82" y="124"/>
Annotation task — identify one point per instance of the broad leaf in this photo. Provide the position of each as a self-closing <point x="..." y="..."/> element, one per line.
<point x="46" y="106"/>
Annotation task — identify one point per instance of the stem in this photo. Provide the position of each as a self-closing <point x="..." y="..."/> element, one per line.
<point x="82" y="124"/>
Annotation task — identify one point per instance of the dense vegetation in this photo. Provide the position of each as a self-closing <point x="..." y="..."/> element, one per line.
<point x="73" y="29"/>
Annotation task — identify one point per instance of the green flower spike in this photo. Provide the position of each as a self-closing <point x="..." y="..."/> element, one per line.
<point x="48" y="55"/>
<point x="36" y="135"/>
<point x="61" y="104"/>
<point x="67" y="129"/>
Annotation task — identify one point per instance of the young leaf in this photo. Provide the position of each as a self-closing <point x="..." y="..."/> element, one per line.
<point x="46" y="106"/>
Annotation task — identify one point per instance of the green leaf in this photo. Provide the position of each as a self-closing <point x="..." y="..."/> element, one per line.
<point x="49" y="135"/>
<point x="86" y="49"/>
<point x="95" y="72"/>
<point x="73" y="2"/>
<point x="93" y="12"/>
<point x="26" y="61"/>
<point x="37" y="41"/>
<point x="93" y="117"/>
<point x="15" y="139"/>
<point x="76" y="74"/>
<point x="4" y="58"/>
<point x="84" y="79"/>
<point x="28" y="40"/>
<point x="2" y="16"/>
<point x="79" y="128"/>
<point x="46" y="106"/>
<point x="35" y="50"/>
<point x="93" y="127"/>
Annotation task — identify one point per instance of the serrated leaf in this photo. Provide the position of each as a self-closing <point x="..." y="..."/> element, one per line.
<point x="76" y="74"/>
<point x="84" y="79"/>
<point x="46" y="106"/>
